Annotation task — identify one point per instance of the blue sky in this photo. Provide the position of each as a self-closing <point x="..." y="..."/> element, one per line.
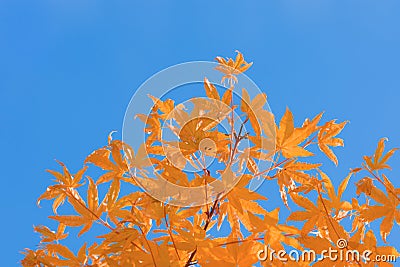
<point x="69" y="68"/>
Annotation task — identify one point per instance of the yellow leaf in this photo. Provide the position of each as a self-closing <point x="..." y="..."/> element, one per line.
<point x="92" y="195"/>
<point x="326" y="138"/>
<point x="211" y="90"/>
<point x="69" y="220"/>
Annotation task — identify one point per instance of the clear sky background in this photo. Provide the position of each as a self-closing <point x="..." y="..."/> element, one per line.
<point x="69" y="68"/>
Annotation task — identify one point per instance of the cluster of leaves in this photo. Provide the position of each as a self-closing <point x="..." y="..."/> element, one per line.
<point x="142" y="231"/>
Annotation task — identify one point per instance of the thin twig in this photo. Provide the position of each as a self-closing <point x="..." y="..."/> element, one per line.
<point x="209" y="217"/>
<point x="329" y="218"/>
<point x="148" y="244"/>
<point x="170" y="232"/>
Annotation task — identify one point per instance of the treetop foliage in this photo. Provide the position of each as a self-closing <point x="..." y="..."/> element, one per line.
<point x="140" y="230"/>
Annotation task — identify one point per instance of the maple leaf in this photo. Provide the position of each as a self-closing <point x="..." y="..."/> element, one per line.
<point x="88" y="214"/>
<point x="335" y="200"/>
<point x="254" y="109"/>
<point x="238" y="203"/>
<point x="165" y="107"/>
<point x="313" y="215"/>
<point x="275" y="234"/>
<point x="326" y="138"/>
<point x="232" y="253"/>
<point x="49" y="235"/>
<point x="153" y="127"/>
<point x="291" y="172"/>
<point x="65" y="180"/>
<point x="212" y="93"/>
<point x="289" y="138"/>
<point x="365" y="186"/>
<point x="263" y="150"/>
<point x="193" y="132"/>
<point x="378" y="160"/>
<point x="388" y="210"/>
<point x="231" y="67"/>
<point x="35" y="258"/>
<point x="316" y="216"/>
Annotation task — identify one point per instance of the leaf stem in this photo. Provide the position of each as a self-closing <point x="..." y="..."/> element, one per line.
<point x="148" y="244"/>
<point x="388" y="189"/>
<point x="209" y="217"/>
